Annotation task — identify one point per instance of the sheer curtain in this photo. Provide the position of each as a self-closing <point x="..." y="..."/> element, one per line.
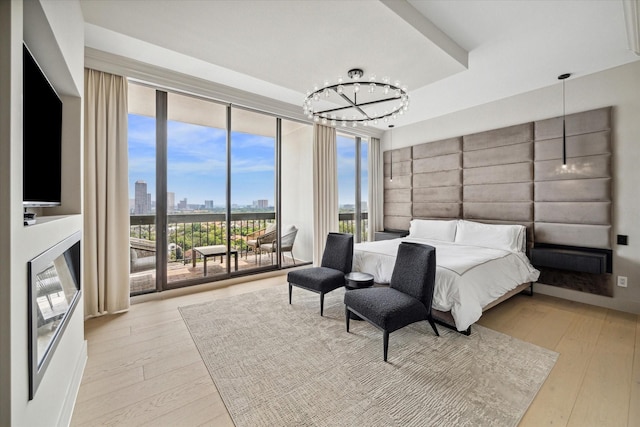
<point x="325" y="187"/>
<point x="376" y="191"/>
<point x="106" y="195"/>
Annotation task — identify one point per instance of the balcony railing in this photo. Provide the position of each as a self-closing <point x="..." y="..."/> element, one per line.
<point x="186" y="231"/>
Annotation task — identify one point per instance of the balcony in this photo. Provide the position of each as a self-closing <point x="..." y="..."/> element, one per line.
<point x="187" y="231"/>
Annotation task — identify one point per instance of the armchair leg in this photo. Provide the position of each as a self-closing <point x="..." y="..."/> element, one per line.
<point x="290" y="288"/>
<point x="347" y="316"/>
<point x="433" y="325"/>
<point x="385" y="343"/>
<point x="321" y="303"/>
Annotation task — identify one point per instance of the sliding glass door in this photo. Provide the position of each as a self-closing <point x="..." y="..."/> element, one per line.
<point x="196" y="182"/>
<point x="253" y="196"/>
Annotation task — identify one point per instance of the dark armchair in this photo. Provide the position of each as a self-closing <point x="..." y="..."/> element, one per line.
<point x="406" y="300"/>
<point x="337" y="259"/>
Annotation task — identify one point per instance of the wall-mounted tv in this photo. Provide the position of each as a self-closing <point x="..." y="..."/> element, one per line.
<point x="42" y="137"/>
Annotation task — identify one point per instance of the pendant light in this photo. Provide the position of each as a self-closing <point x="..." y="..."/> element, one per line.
<point x="391" y="151"/>
<point x="563" y="77"/>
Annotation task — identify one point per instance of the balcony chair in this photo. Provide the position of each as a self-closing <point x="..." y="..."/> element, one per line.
<point x="287" y="241"/>
<point x="254" y="240"/>
<point x="406" y="300"/>
<point x="337" y="259"/>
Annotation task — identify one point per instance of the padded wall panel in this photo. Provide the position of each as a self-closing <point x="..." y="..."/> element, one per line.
<point x="399" y="168"/>
<point x="397" y="195"/>
<point x="437" y="164"/>
<point x="498" y="137"/>
<point x="597" y="213"/>
<point x="438" y="194"/>
<point x="576" y="124"/>
<point x="402" y="182"/>
<point x="578" y="190"/>
<point x="499" y="211"/>
<point x="517" y="172"/>
<point x="438" y="179"/>
<point x="583" y="145"/>
<point x="397" y="209"/>
<point x="501" y="155"/>
<point x="577" y="168"/>
<point x="396" y="222"/>
<point x="437" y="148"/>
<point x="399" y="155"/>
<point x="589" y="236"/>
<point x="437" y="210"/>
<point x="516" y="192"/>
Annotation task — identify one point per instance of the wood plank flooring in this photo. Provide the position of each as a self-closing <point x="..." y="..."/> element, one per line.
<point x="144" y="369"/>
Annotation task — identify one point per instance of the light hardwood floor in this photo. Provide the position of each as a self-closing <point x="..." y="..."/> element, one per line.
<point x="144" y="369"/>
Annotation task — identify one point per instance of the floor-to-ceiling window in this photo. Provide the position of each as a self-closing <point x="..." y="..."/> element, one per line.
<point x="206" y="190"/>
<point x="352" y="185"/>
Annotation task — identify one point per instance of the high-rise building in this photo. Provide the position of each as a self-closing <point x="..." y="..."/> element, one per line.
<point x="182" y="204"/>
<point x="171" y="201"/>
<point x="261" y="204"/>
<point x="142" y="201"/>
<point x="208" y="204"/>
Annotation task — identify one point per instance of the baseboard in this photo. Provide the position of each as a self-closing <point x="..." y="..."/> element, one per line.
<point x="628" y="306"/>
<point x="74" y="388"/>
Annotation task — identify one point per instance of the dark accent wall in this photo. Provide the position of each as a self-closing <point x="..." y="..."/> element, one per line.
<point x="514" y="175"/>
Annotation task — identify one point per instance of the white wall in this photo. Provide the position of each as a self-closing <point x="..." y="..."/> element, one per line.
<point x="297" y="180"/>
<point x="618" y="87"/>
<point x="55" y="33"/>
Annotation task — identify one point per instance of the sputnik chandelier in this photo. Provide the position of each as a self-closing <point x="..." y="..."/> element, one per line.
<point x="356" y="102"/>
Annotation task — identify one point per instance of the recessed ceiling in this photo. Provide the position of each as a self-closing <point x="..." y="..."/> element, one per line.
<point x="281" y="49"/>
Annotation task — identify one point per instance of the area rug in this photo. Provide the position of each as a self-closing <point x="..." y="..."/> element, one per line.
<point x="276" y="364"/>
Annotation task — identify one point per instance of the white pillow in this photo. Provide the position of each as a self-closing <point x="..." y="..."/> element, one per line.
<point x="433" y="229"/>
<point x="499" y="236"/>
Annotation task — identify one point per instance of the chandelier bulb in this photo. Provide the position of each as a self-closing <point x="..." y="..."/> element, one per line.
<point x="340" y="89"/>
<point x="372" y="87"/>
<point x="356" y="87"/>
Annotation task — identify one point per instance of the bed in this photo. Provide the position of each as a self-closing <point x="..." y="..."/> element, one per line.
<point x="478" y="265"/>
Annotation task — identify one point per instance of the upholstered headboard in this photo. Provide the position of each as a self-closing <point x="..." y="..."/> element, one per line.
<point x="512" y="175"/>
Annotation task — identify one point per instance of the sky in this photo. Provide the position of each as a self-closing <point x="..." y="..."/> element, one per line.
<point x="197" y="164"/>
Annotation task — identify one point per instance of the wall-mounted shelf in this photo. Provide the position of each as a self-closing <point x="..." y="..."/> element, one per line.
<point x="584" y="260"/>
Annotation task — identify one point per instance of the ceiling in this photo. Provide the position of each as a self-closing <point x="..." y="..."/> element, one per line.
<point x="451" y="55"/>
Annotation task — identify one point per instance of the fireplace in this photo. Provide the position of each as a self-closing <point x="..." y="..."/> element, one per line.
<point x="54" y="291"/>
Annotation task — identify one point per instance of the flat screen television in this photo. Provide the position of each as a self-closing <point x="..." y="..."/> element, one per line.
<point x="42" y="137"/>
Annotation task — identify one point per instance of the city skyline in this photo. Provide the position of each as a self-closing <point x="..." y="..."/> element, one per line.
<point x="196" y="165"/>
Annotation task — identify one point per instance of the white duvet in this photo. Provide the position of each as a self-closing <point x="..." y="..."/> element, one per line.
<point x="467" y="277"/>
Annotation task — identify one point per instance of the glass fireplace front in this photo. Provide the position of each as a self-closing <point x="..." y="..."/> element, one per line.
<point x="54" y="290"/>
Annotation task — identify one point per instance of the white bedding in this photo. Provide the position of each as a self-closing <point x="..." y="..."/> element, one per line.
<point x="467" y="277"/>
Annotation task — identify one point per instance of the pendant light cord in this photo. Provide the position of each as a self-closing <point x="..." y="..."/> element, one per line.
<point x="563" y="77"/>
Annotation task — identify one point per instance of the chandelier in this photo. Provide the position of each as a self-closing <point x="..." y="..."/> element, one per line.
<point x="357" y="101"/>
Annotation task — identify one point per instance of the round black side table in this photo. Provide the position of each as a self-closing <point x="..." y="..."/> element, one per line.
<point x="357" y="280"/>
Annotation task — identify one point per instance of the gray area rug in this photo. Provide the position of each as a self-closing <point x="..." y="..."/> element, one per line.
<point x="276" y="364"/>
